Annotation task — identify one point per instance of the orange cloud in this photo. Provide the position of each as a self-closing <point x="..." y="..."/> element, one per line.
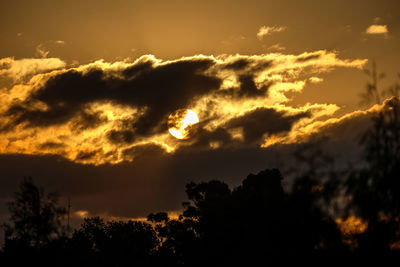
<point x="267" y="30"/>
<point x="20" y="69"/>
<point x="107" y="112"/>
<point x="377" y="29"/>
<point x="312" y="128"/>
<point x="316" y="80"/>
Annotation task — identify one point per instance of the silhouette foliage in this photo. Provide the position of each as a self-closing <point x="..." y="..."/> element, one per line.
<point x="375" y="189"/>
<point x="35" y="216"/>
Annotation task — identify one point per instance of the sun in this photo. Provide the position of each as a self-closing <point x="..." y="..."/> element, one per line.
<point x="181" y="123"/>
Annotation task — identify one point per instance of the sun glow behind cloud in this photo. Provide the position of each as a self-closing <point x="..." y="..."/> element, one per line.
<point x="178" y="127"/>
<point x="105" y="112"/>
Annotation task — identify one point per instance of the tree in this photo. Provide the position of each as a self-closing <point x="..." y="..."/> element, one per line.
<point x="113" y="243"/>
<point x="375" y="189"/>
<point x="36" y="217"/>
<point x="372" y="91"/>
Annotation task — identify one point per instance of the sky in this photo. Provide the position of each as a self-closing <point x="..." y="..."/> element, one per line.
<point x="88" y="90"/>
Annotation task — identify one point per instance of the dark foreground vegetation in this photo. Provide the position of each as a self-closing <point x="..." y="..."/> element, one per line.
<point x="325" y="218"/>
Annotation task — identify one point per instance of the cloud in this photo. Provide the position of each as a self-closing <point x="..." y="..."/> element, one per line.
<point x="315" y="80"/>
<point x="347" y="128"/>
<point x="41" y="51"/>
<point x="259" y="122"/>
<point x="267" y="30"/>
<point x="377" y="29"/>
<point x="277" y="47"/>
<point x="20" y="70"/>
<point x="102" y="112"/>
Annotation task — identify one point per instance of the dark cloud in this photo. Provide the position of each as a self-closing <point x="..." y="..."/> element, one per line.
<point x="24" y="113"/>
<point x="160" y="89"/>
<point x="137" y="69"/>
<point x="51" y="145"/>
<point x="85" y="155"/>
<point x="254" y="125"/>
<point x="203" y="138"/>
<point x="87" y="120"/>
<point x="155" y="182"/>
<point x="262" y="121"/>
<point x="121" y="136"/>
<point x="249" y="88"/>
<point x="144" y="152"/>
<point x="239" y="64"/>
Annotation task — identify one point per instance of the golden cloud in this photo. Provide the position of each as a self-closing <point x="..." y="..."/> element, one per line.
<point x="316" y="80"/>
<point x="107" y="112"/>
<point x="267" y="30"/>
<point x="377" y="29"/>
<point x="311" y="128"/>
<point x="19" y="69"/>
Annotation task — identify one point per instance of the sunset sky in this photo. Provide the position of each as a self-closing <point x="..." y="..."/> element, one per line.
<point x="87" y="89"/>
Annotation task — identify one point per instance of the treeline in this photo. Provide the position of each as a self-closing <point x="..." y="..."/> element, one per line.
<point x="257" y="223"/>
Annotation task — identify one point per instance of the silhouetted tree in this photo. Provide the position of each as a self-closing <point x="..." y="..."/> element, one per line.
<point x="35" y="223"/>
<point x="260" y="216"/>
<point x="115" y="243"/>
<point x="256" y="222"/>
<point x="375" y="189"/>
<point x="394" y="90"/>
<point x="372" y="93"/>
<point x="36" y="217"/>
<point x="179" y="242"/>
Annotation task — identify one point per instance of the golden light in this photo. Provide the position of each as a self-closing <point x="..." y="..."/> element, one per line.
<point x="181" y="123"/>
